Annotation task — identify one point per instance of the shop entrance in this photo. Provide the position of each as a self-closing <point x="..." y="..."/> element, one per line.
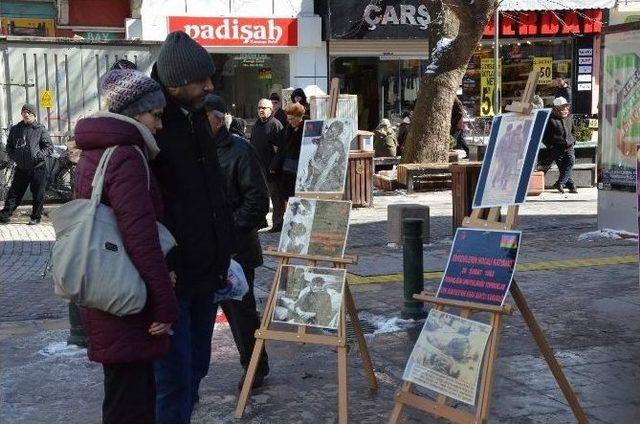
<point x="385" y="87"/>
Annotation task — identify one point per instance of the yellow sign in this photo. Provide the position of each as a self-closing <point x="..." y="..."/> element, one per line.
<point x="34" y="27"/>
<point x="593" y="123"/>
<point x="543" y="66"/>
<point x="46" y="99"/>
<point x="563" y="67"/>
<point x="487" y="86"/>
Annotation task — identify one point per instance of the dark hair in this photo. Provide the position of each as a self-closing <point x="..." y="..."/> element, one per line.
<point x="299" y="92"/>
<point x="405" y="113"/>
<point x="237" y="126"/>
<point x="124" y="64"/>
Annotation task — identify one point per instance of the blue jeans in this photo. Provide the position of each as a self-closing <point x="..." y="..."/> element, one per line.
<point x="565" y="159"/>
<point x="179" y="373"/>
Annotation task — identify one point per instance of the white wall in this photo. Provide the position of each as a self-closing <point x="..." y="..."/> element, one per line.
<point x="617" y="210"/>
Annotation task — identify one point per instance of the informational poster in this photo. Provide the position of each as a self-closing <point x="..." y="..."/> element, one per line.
<point x="638" y="192"/>
<point x="315" y="227"/>
<point x="324" y="156"/>
<point x="510" y="159"/>
<point x="310" y="296"/>
<point x="487" y="86"/>
<point x="481" y="265"/>
<point x="620" y="121"/>
<point x="447" y="356"/>
<point x="543" y="66"/>
<point x="46" y="99"/>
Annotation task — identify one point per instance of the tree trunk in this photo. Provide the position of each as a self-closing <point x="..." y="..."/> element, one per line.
<point x="456" y="29"/>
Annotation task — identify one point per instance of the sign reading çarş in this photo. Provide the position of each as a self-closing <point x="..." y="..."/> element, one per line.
<point x="230" y="31"/>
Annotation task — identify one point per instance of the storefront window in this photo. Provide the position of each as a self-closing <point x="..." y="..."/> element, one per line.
<point x="517" y="61"/>
<point x="385" y="87"/>
<point x="243" y="79"/>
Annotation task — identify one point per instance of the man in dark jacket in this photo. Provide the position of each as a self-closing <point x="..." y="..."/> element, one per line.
<point x="278" y="112"/>
<point x="249" y="201"/>
<point x="298" y="96"/>
<point x="265" y="138"/>
<point x="28" y="145"/>
<point x="559" y="139"/>
<point x="196" y="213"/>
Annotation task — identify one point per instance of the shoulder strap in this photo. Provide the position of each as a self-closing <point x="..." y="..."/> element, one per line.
<point x="98" y="178"/>
<point x="146" y="166"/>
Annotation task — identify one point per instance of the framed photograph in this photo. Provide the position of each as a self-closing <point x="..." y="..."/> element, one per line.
<point x="324" y="156"/>
<point x="315" y="227"/>
<point x="510" y="158"/>
<point x="310" y="296"/>
<point x="447" y="356"/>
<point x="480" y="266"/>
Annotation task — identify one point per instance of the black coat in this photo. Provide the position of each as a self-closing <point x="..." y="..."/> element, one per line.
<point x="265" y="136"/>
<point x="28" y="145"/>
<point x="559" y="133"/>
<point x="247" y="193"/>
<point x="195" y="203"/>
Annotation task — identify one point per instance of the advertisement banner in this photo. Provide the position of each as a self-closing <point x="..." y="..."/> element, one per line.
<point x="487" y="86"/>
<point x="620" y="123"/>
<point x="231" y="31"/>
<point x="481" y="265"/>
<point x="543" y="66"/>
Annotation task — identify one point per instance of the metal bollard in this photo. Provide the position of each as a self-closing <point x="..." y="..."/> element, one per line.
<point x="412" y="268"/>
<point x="76" y="332"/>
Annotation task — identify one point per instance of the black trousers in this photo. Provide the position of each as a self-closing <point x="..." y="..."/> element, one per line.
<point x="277" y="202"/>
<point x="565" y="159"/>
<point x="22" y="179"/>
<point x="244" y="321"/>
<point x="129" y="393"/>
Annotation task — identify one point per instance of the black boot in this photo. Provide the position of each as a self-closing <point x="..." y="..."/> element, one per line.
<point x="558" y="187"/>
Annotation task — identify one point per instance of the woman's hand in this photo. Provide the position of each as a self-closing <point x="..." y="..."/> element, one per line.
<point x="160" y="328"/>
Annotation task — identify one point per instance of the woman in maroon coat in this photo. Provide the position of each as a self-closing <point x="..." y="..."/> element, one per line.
<point x="127" y="346"/>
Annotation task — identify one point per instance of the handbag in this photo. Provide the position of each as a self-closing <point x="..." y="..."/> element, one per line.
<point x="89" y="263"/>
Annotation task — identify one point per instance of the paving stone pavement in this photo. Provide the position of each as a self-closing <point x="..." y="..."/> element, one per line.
<point x="591" y="316"/>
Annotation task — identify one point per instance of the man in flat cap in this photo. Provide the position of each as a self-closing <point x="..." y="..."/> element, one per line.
<point x="28" y="145"/>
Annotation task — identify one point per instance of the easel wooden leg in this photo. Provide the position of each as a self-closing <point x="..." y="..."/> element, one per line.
<point x="488" y="373"/>
<point x="362" y="343"/>
<point x="249" y="377"/>
<point x="548" y="354"/>
<point x="343" y="410"/>
<point x="398" y="408"/>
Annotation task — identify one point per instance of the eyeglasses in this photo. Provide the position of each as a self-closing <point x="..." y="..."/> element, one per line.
<point x="157" y="116"/>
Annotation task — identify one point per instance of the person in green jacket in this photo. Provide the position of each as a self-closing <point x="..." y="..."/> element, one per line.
<point x="384" y="140"/>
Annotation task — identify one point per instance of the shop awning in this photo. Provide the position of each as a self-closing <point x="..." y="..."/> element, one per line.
<point x="521" y="5"/>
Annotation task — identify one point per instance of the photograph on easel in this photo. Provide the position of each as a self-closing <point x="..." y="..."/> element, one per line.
<point x="324" y="156"/>
<point x="310" y="296"/>
<point x="480" y="266"/>
<point x="447" y="356"/>
<point x="510" y="158"/>
<point x="315" y="227"/>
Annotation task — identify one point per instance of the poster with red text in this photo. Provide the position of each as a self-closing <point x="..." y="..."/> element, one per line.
<point x="481" y="266"/>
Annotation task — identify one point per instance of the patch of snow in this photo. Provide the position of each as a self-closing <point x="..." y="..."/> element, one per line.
<point x="607" y="234"/>
<point x="61" y="349"/>
<point x="384" y="324"/>
<point x="441" y="46"/>
<point x="393" y="245"/>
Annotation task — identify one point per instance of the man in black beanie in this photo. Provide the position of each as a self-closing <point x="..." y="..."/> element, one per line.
<point x="196" y="213"/>
<point x="28" y="145"/>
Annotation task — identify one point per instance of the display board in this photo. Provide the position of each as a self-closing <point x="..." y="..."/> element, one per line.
<point x="324" y="156"/>
<point x="510" y="158"/>
<point x="447" y="356"/>
<point x="620" y="100"/>
<point x="310" y="296"/>
<point x="315" y="227"/>
<point x="480" y="266"/>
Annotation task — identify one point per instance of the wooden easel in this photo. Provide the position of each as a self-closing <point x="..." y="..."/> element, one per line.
<point x="300" y="335"/>
<point x="490" y="219"/>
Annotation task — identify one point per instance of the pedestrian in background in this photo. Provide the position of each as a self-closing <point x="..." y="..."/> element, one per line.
<point x="266" y="136"/>
<point x="298" y="96"/>
<point x="127" y="345"/>
<point x="238" y="126"/>
<point x="562" y="89"/>
<point x="28" y="145"/>
<point x="249" y="202"/>
<point x="560" y="140"/>
<point x="278" y="112"/>
<point x="196" y="213"/>
<point x="384" y="140"/>
<point x="403" y="129"/>
<point x="458" y="126"/>
<point x="285" y="165"/>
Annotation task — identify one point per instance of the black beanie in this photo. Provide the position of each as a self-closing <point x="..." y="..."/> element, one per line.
<point x="182" y="61"/>
<point x="29" y="108"/>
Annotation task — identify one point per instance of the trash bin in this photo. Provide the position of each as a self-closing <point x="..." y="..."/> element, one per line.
<point x="464" y="178"/>
<point x="359" y="187"/>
